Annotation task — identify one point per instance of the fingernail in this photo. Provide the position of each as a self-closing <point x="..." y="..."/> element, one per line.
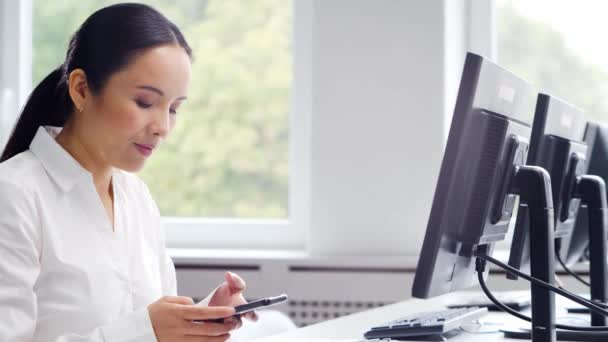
<point x="236" y="279"/>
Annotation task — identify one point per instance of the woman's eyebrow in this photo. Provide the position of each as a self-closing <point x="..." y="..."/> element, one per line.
<point x="158" y="91"/>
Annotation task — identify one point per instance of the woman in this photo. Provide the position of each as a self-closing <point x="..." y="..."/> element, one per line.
<point x="83" y="256"/>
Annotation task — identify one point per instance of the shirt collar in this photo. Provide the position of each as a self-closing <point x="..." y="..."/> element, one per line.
<point x="58" y="163"/>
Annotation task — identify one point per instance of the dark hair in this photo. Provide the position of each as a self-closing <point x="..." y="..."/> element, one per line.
<point x="106" y="42"/>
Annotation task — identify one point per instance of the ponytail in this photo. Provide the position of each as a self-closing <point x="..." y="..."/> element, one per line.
<point x="49" y="104"/>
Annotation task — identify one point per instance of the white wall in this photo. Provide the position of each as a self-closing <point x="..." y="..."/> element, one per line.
<point x="380" y="101"/>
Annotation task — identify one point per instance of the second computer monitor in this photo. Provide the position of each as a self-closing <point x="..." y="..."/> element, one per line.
<point x="573" y="247"/>
<point x="557" y="146"/>
<point x="489" y="135"/>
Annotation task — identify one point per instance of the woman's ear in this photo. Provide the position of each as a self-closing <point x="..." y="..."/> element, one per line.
<point x="78" y="88"/>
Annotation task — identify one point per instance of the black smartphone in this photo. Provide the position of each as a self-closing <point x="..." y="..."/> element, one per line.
<point x="261" y="303"/>
<point x="258" y="304"/>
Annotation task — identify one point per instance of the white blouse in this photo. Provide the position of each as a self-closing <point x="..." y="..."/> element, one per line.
<point x="64" y="274"/>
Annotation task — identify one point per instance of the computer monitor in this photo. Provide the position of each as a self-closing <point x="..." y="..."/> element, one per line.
<point x="574" y="246"/>
<point x="488" y="137"/>
<point x="591" y="228"/>
<point x="557" y="146"/>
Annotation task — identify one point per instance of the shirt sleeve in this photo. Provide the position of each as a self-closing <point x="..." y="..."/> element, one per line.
<point x="20" y="246"/>
<point x="134" y="327"/>
<point x="19" y="265"/>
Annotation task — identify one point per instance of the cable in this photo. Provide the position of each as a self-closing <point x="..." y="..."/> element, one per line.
<point x="593" y="306"/>
<point x="558" y="257"/>
<point x="508" y="310"/>
<point x="558" y="289"/>
<point x="573" y="297"/>
<point x="569" y="271"/>
<point x="526" y="318"/>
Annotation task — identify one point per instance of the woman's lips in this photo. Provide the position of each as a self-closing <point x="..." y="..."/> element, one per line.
<point x="145" y="150"/>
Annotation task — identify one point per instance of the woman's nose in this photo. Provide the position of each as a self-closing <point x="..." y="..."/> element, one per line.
<point x="161" y="124"/>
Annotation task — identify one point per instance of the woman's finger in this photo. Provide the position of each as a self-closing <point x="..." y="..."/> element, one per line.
<point x="252" y="316"/>
<point x="238" y="321"/>
<point x="178" y="300"/>
<point x="209" y="329"/>
<point x="193" y="312"/>
<point x="236" y="283"/>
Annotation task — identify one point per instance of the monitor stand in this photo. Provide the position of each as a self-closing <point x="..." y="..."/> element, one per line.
<point x="533" y="185"/>
<point x="592" y="191"/>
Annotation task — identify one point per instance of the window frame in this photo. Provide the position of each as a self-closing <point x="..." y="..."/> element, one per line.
<point x="481" y="30"/>
<point x="15" y="61"/>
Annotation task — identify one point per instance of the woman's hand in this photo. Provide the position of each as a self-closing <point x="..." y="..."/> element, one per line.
<point x="230" y="293"/>
<point x="172" y="319"/>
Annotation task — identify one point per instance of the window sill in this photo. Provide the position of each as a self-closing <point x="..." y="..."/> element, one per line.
<point x="184" y="257"/>
<point x="193" y="257"/>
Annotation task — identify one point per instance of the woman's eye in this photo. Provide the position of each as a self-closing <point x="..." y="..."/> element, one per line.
<point x="143" y="104"/>
<point x="173" y="111"/>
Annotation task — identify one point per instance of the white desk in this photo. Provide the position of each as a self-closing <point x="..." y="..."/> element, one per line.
<point x="352" y="327"/>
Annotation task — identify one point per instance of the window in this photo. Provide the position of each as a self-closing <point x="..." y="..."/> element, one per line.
<point x="228" y="156"/>
<point x="557" y="46"/>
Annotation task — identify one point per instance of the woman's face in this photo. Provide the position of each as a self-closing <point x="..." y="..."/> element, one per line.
<point x="137" y="107"/>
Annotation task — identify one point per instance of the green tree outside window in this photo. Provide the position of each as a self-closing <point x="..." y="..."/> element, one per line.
<point x="539" y="54"/>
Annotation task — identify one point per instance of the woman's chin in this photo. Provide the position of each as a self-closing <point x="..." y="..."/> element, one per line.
<point x="132" y="166"/>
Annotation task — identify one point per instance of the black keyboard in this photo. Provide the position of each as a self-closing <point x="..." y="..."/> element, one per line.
<point x="426" y="323"/>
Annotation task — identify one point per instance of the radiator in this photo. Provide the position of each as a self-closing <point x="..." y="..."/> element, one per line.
<point x="315" y="293"/>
